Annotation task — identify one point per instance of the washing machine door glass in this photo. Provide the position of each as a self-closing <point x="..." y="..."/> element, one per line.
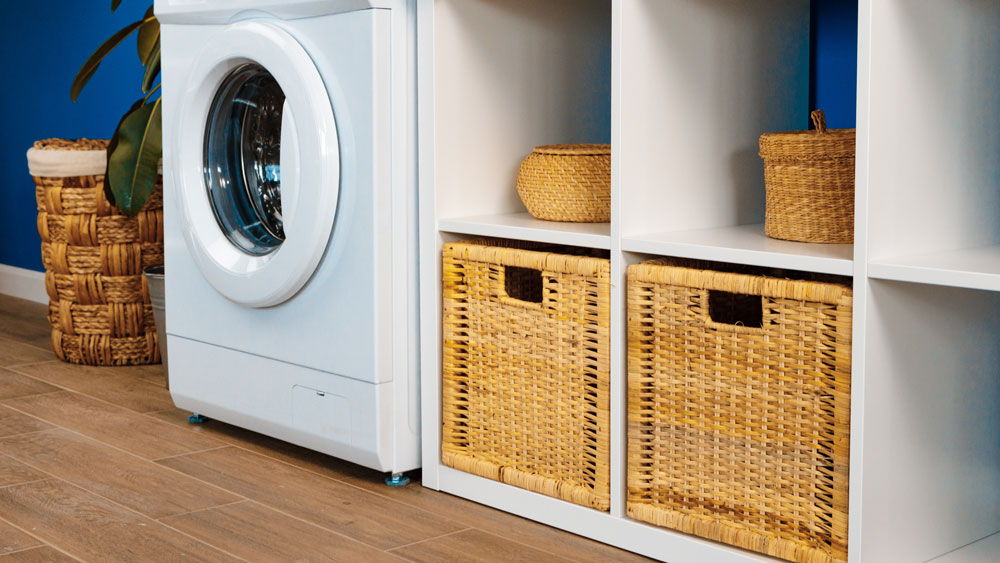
<point x="255" y="163"/>
<point x="242" y="159"/>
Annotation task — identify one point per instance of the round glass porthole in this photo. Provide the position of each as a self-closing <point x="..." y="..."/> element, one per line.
<point x="242" y="159"/>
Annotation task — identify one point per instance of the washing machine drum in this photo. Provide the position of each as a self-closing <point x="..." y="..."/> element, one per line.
<point x="257" y="164"/>
<point x="242" y="159"/>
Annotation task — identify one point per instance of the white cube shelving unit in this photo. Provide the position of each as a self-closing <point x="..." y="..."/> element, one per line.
<point x="682" y="89"/>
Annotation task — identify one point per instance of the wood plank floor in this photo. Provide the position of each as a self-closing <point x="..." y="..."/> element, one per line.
<point x="96" y="464"/>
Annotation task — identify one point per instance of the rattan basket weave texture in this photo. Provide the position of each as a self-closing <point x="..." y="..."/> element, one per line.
<point x="93" y="256"/>
<point x="809" y="181"/>
<point x="736" y="432"/>
<point x="525" y="382"/>
<point x="567" y="183"/>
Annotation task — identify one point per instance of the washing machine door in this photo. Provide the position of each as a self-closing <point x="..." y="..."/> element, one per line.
<point x="258" y="164"/>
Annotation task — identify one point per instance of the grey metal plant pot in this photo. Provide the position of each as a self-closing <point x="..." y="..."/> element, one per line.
<point x="154" y="279"/>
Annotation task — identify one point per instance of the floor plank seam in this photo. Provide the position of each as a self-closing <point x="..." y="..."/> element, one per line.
<point x="232" y="444"/>
<point x="113" y="501"/>
<point x="349" y="484"/>
<point x="105" y="369"/>
<point x="392" y="549"/>
<point x="201" y="541"/>
<point x="26" y="433"/>
<point x="30" y="547"/>
<point x="56" y="425"/>
<point x="534" y="547"/>
<point x="29" y="364"/>
<point x="239" y="446"/>
<point x="46" y="478"/>
<point x="448" y="515"/>
<point x="48" y="545"/>
<point x="153" y="381"/>
<point x="59" y="390"/>
<point x="112" y="446"/>
<point x="162" y="518"/>
<point x="166" y="457"/>
<point x="42" y="541"/>
<point x="129" y="509"/>
<point x="6" y="402"/>
<point x="35" y="346"/>
<point x="292" y="516"/>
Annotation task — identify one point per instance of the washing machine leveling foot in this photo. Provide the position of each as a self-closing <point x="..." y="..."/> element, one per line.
<point x="397" y="480"/>
<point x="196" y="418"/>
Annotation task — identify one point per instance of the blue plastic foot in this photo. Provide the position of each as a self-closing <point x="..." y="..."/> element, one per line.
<point x="397" y="480"/>
<point x="196" y="418"/>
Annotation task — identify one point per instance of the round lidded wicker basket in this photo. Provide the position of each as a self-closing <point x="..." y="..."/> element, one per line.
<point x="93" y="255"/>
<point x="809" y="180"/>
<point x="567" y="183"/>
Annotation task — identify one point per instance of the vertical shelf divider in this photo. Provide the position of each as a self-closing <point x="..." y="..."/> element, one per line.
<point x="619" y="389"/>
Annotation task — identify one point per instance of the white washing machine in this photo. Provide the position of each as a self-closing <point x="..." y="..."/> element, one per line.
<point x="289" y="184"/>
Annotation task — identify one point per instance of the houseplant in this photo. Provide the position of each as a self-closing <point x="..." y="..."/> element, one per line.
<point x="100" y="218"/>
<point x="135" y="148"/>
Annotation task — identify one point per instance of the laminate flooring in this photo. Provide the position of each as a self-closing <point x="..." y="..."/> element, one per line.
<point x="96" y="464"/>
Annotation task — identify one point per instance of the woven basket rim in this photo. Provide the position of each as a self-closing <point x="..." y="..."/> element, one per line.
<point x="579" y="149"/>
<point x="839" y="133"/>
<point x="662" y="271"/>
<point x="81" y="144"/>
<point x="485" y="250"/>
<point x="809" y="145"/>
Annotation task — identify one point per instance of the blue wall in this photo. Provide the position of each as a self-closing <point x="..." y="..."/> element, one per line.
<point x="834" y="55"/>
<point x="43" y="44"/>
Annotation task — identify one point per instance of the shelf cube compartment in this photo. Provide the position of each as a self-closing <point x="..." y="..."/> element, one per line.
<point x="526" y="368"/>
<point x="739" y="407"/>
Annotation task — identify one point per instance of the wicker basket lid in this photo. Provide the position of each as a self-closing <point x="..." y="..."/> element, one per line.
<point x="574" y="150"/>
<point x="815" y="144"/>
<point x="61" y="158"/>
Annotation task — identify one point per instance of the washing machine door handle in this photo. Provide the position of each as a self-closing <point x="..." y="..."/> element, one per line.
<point x="289" y="166"/>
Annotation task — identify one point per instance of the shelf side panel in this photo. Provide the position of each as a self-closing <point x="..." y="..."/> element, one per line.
<point x="510" y="75"/>
<point x="701" y="81"/>
<point x="931" y="460"/>
<point x="935" y="143"/>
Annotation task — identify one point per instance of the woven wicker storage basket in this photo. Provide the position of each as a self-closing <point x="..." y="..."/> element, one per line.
<point x="739" y="408"/>
<point x="809" y="180"/>
<point x="567" y="183"/>
<point x="525" y="383"/>
<point x="93" y="256"/>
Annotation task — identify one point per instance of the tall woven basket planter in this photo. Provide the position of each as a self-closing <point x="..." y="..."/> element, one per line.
<point x="525" y="382"/>
<point x="93" y="255"/>
<point x="739" y="408"/>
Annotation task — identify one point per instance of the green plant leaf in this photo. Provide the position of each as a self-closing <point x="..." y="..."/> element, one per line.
<point x="134" y="162"/>
<point x="112" y="145"/>
<point x="88" y="68"/>
<point x="149" y="35"/>
<point x="152" y="69"/>
<point x="115" y="4"/>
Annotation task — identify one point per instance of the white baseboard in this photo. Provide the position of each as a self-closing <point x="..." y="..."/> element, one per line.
<point x="22" y="283"/>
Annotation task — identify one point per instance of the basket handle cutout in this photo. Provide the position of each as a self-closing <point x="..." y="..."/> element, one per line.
<point x="819" y="120"/>
<point x="736" y="309"/>
<point x="523" y="284"/>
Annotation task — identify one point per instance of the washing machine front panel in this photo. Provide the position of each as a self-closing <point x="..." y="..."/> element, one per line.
<point x="258" y="164"/>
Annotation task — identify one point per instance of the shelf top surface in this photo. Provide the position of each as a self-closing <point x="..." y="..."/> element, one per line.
<point x="973" y="268"/>
<point x="746" y="244"/>
<point x="525" y="227"/>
